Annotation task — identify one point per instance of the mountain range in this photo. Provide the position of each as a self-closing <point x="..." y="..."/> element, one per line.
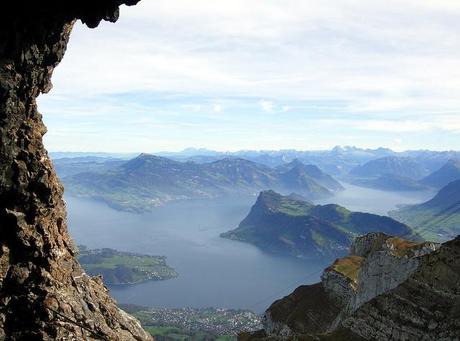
<point x="403" y="174"/>
<point x="148" y="181"/>
<point x="286" y="225"/>
<point x="337" y="161"/>
<point x="392" y="165"/>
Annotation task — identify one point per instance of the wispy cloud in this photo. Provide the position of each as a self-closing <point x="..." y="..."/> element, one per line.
<point x="266" y="106"/>
<point x="377" y="68"/>
<point x="218" y="108"/>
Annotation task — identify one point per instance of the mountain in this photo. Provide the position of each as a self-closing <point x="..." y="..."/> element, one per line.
<point x="148" y="181"/>
<point x="73" y="165"/>
<point x="337" y="161"/>
<point x="392" y="165"/>
<point x="443" y="176"/>
<point x="44" y="292"/>
<point x="284" y="225"/>
<point x="387" y="288"/>
<point x="298" y="170"/>
<point x="432" y="160"/>
<point x="391" y="182"/>
<point x="438" y="218"/>
<point x="241" y="172"/>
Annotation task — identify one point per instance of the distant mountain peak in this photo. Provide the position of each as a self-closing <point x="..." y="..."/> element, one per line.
<point x="146" y="160"/>
<point x="295" y="162"/>
<point x="395" y="165"/>
<point x="146" y="156"/>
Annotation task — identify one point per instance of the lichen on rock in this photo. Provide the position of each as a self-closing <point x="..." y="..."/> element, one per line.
<point x="44" y="293"/>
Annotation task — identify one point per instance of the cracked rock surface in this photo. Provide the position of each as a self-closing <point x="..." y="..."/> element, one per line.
<point x="44" y="293"/>
<point x="386" y="289"/>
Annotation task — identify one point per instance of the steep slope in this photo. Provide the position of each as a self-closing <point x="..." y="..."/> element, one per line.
<point x="242" y="173"/>
<point x="284" y="225"/>
<point x="438" y="218"/>
<point x="299" y="170"/>
<point x="148" y="181"/>
<point x="44" y="293"/>
<point x="393" y="165"/>
<point x="432" y="160"/>
<point x="443" y="176"/>
<point x="296" y="179"/>
<point x="386" y="289"/>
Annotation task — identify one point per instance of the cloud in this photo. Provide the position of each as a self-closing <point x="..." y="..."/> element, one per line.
<point x="218" y="108"/>
<point x="266" y="106"/>
<point x="428" y="124"/>
<point x="360" y="52"/>
<point x="360" y="61"/>
<point x="191" y="107"/>
<point x="392" y="126"/>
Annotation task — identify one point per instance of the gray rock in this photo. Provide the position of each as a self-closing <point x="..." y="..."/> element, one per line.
<point x="44" y="293"/>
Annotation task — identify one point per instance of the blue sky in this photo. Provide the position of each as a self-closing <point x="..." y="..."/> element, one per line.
<point x="260" y="74"/>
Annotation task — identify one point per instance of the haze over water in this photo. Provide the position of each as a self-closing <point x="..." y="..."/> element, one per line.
<point x="213" y="272"/>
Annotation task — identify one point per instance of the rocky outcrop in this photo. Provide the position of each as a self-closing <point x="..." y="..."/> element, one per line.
<point x="387" y="289"/>
<point x="44" y="293"/>
<point x="424" y="307"/>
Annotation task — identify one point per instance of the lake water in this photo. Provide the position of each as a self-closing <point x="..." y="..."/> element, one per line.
<point x="376" y="201"/>
<point x="213" y="272"/>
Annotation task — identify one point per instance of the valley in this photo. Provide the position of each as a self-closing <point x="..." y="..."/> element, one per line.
<point x="285" y="229"/>
<point x="213" y="272"/>
<point x="232" y="243"/>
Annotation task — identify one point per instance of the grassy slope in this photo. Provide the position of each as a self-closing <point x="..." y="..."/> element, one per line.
<point x="280" y="224"/>
<point x="124" y="268"/>
<point x="437" y="219"/>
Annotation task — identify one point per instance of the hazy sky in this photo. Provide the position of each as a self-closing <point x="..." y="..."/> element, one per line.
<point x="261" y="74"/>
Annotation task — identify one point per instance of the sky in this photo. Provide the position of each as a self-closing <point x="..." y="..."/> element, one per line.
<point x="261" y="74"/>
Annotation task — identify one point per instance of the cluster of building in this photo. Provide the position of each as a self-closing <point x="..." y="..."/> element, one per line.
<point x="218" y="321"/>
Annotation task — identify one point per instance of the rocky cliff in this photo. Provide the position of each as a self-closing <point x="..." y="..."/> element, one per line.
<point x="44" y="293"/>
<point x="386" y="289"/>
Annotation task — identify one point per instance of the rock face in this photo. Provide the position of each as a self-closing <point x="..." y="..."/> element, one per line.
<point x="44" y="293"/>
<point x="387" y="289"/>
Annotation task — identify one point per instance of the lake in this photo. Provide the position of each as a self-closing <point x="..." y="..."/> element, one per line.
<point x="213" y="272"/>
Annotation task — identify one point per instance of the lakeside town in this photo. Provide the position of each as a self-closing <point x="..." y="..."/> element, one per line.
<point x="172" y="324"/>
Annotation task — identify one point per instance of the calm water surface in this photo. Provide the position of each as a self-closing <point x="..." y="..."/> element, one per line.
<point x="376" y="201"/>
<point x="213" y="272"/>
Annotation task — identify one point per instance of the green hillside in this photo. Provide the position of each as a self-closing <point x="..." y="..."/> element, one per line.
<point x="148" y="181"/>
<point x="283" y="225"/>
<point x="437" y="219"/>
